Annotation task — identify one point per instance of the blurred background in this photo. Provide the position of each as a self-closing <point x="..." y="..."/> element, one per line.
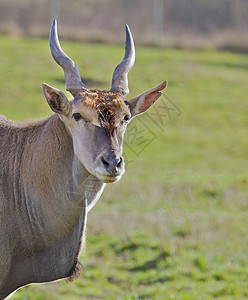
<point x="175" y="226"/>
<point x="220" y="24"/>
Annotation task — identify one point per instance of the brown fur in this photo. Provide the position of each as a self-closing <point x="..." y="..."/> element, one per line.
<point x="42" y="206"/>
<point x="76" y="272"/>
<point x="106" y="103"/>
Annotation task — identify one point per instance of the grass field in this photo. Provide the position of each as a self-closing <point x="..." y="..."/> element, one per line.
<point x="175" y="227"/>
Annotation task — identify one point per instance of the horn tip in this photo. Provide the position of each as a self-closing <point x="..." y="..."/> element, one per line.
<point x="129" y="37"/>
<point x="127" y="29"/>
<point x="54" y="24"/>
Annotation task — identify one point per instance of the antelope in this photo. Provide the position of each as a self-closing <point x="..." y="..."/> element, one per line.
<point x="54" y="170"/>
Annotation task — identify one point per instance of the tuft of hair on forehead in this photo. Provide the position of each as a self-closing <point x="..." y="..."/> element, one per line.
<point x="106" y="104"/>
<point x="97" y="99"/>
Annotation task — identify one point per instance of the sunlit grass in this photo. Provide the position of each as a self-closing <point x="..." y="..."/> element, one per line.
<point x="175" y="226"/>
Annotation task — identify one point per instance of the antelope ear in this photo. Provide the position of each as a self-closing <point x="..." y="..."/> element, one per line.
<point x="56" y="99"/>
<point x="143" y="102"/>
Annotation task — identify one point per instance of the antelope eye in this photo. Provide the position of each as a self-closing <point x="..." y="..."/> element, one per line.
<point x="77" y="117"/>
<point x="127" y="118"/>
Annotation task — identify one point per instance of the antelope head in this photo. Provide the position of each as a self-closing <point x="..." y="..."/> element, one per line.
<point x="97" y="119"/>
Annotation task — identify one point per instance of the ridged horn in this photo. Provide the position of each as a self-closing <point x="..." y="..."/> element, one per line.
<point x="72" y="77"/>
<point x="119" y="80"/>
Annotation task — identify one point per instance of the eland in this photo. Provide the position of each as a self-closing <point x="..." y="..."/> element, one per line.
<point x="53" y="171"/>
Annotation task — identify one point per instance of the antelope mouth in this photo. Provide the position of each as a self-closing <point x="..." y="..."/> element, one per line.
<point x="108" y="178"/>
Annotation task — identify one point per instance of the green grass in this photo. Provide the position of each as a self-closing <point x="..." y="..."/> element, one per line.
<point x="175" y="227"/>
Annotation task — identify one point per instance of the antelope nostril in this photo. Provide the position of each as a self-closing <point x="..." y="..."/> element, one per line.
<point x="106" y="164"/>
<point x="112" y="163"/>
<point x="119" y="163"/>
